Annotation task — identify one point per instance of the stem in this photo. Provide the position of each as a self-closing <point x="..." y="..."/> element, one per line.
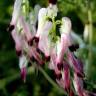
<point x="90" y="42"/>
<point x="49" y="79"/>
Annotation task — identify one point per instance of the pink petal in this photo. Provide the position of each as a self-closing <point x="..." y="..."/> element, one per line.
<point x="76" y="64"/>
<point x="17" y="40"/>
<point x="66" y="74"/>
<point x="26" y="29"/>
<point x="78" y="84"/>
<point x="23" y="74"/>
<point x="44" y="41"/>
<point x="33" y="53"/>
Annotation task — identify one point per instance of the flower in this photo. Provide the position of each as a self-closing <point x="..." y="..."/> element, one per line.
<point x="15" y="14"/>
<point x="18" y="41"/>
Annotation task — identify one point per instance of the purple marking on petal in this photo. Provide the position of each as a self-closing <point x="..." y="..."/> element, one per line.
<point x="66" y="77"/>
<point x="36" y="39"/>
<point x="60" y="66"/>
<point x="10" y="28"/>
<point x="23" y="74"/>
<point x="71" y="93"/>
<point x="18" y="52"/>
<point x="30" y="42"/>
<point x="78" y="84"/>
<point x="76" y="64"/>
<point x="73" y="48"/>
<point x="33" y="53"/>
<point x="47" y="58"/>
<point x="58" y="76"/>
<point x="53" y="1"/>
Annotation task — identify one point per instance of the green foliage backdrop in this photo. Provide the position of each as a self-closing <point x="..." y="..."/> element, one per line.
<point x="36" y="84"/>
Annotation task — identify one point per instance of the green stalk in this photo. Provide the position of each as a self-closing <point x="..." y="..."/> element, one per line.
<point x="90" y="42"/>
<point x="52" y="82"/>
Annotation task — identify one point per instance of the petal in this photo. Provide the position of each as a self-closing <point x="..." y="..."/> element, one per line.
<point x="16" y="11"/>
<point x="17" y="39"/>
<point x="23" y="64"/>
<point x="62" y="47"/>
<point x="44" y="41"/>
<point x="66" y="76"/>
<point x="76" y="64"/>
<point x="26" y="28"/>
<point x="41" y="21"/>
<point x="66" y="26"/>
<point x="34" y="54"/>
<point x="78" y="84"/>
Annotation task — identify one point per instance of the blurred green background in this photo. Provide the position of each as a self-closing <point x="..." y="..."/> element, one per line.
<point x="80" y="12"/>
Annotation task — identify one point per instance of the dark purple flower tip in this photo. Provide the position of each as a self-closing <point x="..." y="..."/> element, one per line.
<point x="58" y="76"/>
<point x="40" y="52"/>
<point x="53" y="1"/>
<point x="10" y="28"/>
<point x="67" y="89"/>
<point x="73" y="48"/>
<point x="47" y="58"/>
<point x="71" y="93"/>
<point x="18" y="52"/>
<point x="60" y="66"/>
<point x="30" y="42"/>
<point x="81" y="75"/>
<point x="23" y="74"/>
<point x="36" y="39"/>
<point x="33" y="59"/>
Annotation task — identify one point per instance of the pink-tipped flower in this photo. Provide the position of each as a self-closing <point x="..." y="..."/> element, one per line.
<point x="76" y="64"/>
<point x="44" y="41"/>
<point x="16" y="12"/>
<point x="26" y="29"/>
<point x="66" y="77"/>
<point x="65" y="41"/>
<point x="23" y="64"/>
<point x="78" y="84"/>
<point x="18" y="41"/>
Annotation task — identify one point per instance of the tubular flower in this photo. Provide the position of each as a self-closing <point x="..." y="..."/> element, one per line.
<point x="18" y="41"/>
<point x="78" y="84"/>
<point x="15" y="15"/>
<point x="76" y="64"/>
<point x="65" y="39"/>
<point x="26" y="29"/>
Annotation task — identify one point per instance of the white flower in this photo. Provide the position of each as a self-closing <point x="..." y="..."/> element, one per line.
<point x="16" y="12"/>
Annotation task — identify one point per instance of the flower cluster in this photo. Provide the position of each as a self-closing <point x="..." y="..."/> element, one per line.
<point x="31" y="42"/>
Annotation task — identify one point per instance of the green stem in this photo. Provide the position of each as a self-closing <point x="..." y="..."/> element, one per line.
<point x="90" y="42"/>
<point x="51" y="81"/>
